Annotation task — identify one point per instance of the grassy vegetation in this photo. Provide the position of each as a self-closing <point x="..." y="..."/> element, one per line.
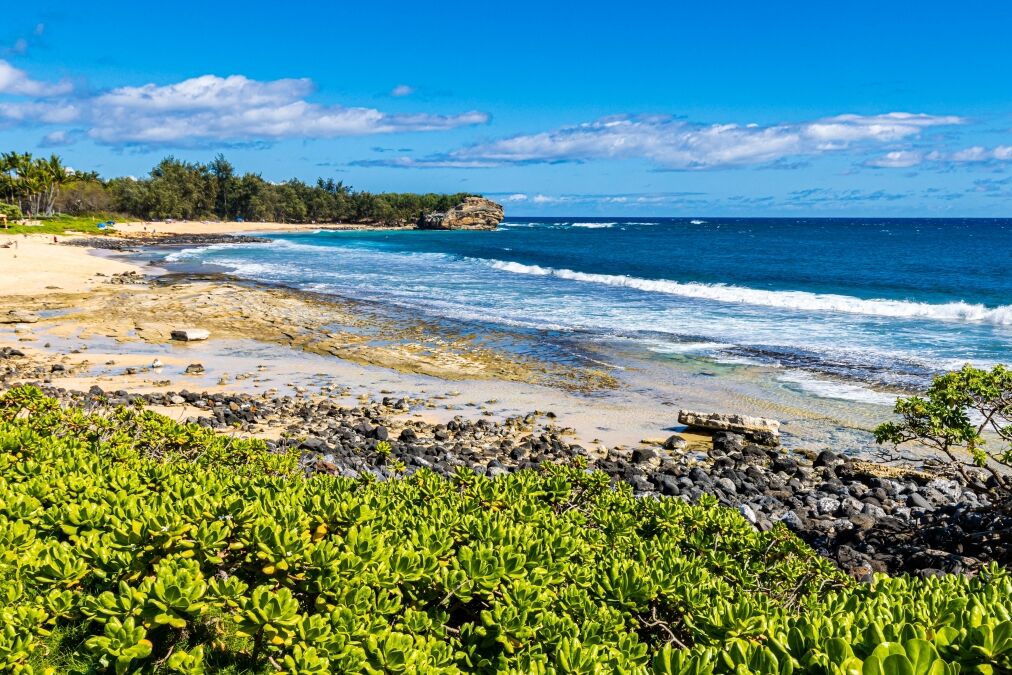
<point x="129" y="543"/>
<point x="60" y="224"/>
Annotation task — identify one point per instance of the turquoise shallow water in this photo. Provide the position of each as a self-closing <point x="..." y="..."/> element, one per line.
<point x="856" y="305"/>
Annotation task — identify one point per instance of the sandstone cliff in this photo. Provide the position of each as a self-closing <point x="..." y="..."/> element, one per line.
<point x="474" y="213"/>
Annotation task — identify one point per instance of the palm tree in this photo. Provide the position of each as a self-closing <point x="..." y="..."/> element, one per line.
<point x="56" y="175"/>
<point x="13" y="167"/>
<point x="33" y="184"/>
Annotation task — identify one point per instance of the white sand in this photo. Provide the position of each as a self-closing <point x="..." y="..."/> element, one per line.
<point x="37" y="266"/>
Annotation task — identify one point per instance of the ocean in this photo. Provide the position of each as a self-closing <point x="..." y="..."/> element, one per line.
<point x="851" y="309"/>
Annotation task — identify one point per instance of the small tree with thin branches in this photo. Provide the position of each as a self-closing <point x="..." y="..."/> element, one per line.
<point x="956" y="415"/>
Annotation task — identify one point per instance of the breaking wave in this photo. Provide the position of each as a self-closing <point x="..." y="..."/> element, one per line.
<point x="794" y="300"/>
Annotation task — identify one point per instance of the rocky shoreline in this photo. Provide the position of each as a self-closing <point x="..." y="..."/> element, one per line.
<point x="125" y="243"/>
<point x="865" y="517"/>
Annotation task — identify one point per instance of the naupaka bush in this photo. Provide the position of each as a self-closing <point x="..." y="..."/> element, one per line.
<point x="129" y="543"/>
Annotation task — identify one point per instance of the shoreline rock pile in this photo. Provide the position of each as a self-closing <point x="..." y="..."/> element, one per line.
<point x="865" y="517"/>
<point x="132" y="242"/>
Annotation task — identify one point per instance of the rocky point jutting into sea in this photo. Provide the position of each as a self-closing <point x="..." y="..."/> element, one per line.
<point x="474" y="213"/>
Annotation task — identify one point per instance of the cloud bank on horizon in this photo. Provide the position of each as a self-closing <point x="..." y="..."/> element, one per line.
<point x="672" y="143"/>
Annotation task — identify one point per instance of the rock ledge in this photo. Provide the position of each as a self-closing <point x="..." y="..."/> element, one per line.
<point x="756" y="429"/>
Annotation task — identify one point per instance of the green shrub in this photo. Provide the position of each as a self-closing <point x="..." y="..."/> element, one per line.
<point x="129" y="543"/>
<point x="952" y="418"/>
<point x="12" y="211"/>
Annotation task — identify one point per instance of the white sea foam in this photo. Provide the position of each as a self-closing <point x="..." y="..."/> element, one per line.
<point x="188" y="253"/>
<point x="700" y="347"/>
<point x="593" y="226"/>
<point x="824" y="388"/>
<point x="697" y="222"/>
<point x="202" y="251"/>
<point x="255" y="270"/>
<point x="794" y="300"/>
<point x="738" y="360"/>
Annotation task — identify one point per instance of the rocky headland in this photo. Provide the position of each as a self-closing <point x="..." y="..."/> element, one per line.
<point x="474" y="213"/>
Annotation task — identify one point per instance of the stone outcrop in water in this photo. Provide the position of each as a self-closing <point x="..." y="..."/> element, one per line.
<point x="474" y="213"/>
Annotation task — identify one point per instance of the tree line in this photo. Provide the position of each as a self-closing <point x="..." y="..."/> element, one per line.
<point x="184" y="190"/>
<point x="33" y="184"/>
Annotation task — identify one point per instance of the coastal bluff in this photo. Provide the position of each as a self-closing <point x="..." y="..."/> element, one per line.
<point x="474" y="213"/>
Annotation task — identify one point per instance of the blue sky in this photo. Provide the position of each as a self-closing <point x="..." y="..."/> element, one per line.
<point x="641" y="108"/>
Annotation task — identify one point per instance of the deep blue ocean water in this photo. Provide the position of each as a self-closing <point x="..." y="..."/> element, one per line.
<point x="883" y="302"/>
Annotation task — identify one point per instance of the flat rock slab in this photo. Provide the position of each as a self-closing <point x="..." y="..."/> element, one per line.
<point x="757" y="429"/>
<point x="191" y="334"/>
<point x="19" y="316"/>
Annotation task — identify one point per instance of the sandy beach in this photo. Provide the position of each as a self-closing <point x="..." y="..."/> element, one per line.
<point x="104" y="317"/>
<point x="105" y="320"/>
<point x="34" y="266"/>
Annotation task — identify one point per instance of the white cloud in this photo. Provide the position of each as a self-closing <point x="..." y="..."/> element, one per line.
<point x="440" y="162"/>
<point x="57" y="138"/>
<point x="597" y="200"/>
<point x="17" y="82"/>
<point x="674" y="143"/>
<point x="207" y="92"/>
<point x="898" y="159"/>
<point x="974" y="154"/>
<point x="882" y="128"/>
<point x="402" y="90"/>
<point x="33" y="112"/>
<point x="218" y="109"/>
<point x="977" y="154"/>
